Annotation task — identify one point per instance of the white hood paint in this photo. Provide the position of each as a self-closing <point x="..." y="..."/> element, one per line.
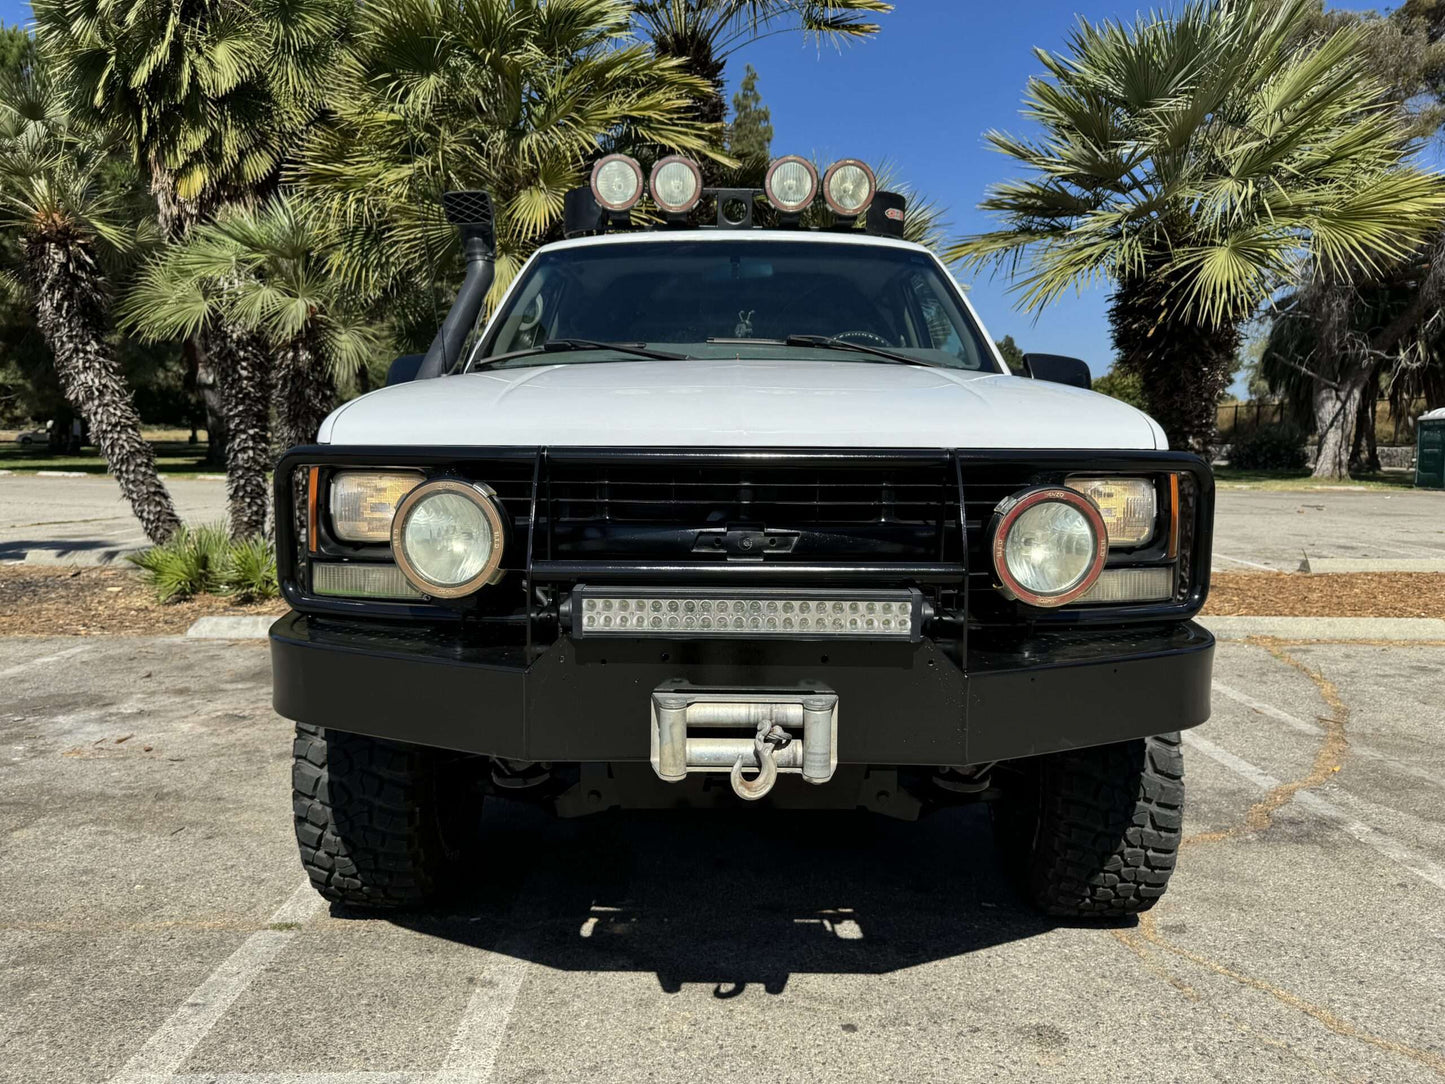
<point x="740" y="403"/>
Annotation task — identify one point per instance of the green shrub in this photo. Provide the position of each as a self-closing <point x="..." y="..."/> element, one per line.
<point x="204" y="561"/>
<point x="248" y="571"/>
<point x="1126" y="387"/>
<point x="1271" y="447"/>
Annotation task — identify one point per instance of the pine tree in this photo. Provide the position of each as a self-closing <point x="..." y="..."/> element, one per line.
<point x="1011" y="353"/>
<point x="750" y="136"/>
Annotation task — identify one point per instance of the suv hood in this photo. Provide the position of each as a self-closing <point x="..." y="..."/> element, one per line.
<point x="732" y="403"/>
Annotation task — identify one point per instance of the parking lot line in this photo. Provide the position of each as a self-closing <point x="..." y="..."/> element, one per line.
<point x="1304" y="726"/>
<point x="1388" y="846"/>
<point x="16" y="671"/>
<point x="357" y="1077"/>
<point x="473" y="1054"/>
<point x="166" y="1050"/>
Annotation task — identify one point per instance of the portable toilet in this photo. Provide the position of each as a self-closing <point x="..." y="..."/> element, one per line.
<point x="1430" y="450"/>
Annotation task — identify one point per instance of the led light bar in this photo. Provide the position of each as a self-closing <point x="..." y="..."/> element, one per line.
<point x="694" y="613"/>
<point x="357" y="579"/>
<point x="1116" y="585"/>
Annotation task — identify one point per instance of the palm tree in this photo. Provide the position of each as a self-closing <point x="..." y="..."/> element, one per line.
<point x="1201" y="163"/>
<point x="704" y="33"/>
<point x="265" y="271"/>
<point x="512" y="96"/>
<point x="52" y="192"/>
<point x="211" y="96"/>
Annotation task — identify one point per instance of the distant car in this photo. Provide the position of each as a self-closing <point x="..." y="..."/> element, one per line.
<point x="32" y="436"/>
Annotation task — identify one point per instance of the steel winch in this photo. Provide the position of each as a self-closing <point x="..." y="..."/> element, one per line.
<point x="793" y="732"/>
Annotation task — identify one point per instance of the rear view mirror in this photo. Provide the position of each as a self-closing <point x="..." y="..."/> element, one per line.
<point x="1059" y="369"/>
<point x="404" y="369"/>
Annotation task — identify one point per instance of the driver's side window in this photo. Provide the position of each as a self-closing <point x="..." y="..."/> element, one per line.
<point x="942" y="335"/>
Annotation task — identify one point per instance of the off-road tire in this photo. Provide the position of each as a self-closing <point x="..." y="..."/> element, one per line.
<point x="1093" y="833"/>
<point x="369" y="818"/>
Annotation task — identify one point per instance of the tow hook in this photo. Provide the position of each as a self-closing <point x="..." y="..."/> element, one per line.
<point x="769" y="741"/>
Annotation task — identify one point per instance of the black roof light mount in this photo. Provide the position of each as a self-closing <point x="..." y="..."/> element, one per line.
<point x="886" y="215"/>
<point x="735" y="209"/>
<point x="471" y="213"/>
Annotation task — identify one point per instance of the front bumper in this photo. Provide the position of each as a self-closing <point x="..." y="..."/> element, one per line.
<point x="898" y="704"/>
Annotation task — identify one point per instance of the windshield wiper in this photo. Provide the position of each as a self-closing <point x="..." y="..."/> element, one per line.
<point x="827" y="342"/>
<point x="562" y="346"/>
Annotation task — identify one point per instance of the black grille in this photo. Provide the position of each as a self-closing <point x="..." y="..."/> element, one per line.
<point x="841" y="511"/>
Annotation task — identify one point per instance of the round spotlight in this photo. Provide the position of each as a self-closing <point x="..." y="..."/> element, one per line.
<point x="447" y="537"/>
<point x="791" y="183"/>
<point x="1049" y="545"/>
<point x="617" y="182"/>
<point x="848" y="186"/>
<point x="675" y="184"/>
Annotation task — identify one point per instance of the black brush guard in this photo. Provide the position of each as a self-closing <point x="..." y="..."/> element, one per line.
<point x="991" y="680"/>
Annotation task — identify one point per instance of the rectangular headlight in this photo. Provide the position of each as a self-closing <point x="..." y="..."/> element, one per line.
<point x="363" y="502"/>
<point x="699" y="613"/>
<point x="1129" y="506"/>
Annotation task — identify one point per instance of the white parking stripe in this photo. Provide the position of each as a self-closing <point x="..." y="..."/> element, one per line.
<point x="472" y="1058"/>
<point x="358" y="1077"/>
<point x="16" y="671"/>
<point x="166" y="1050"/>
<point x="1307" y="727"/>
<point x="1390" y="847"/>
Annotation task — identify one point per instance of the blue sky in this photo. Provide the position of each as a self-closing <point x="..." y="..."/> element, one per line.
<point x="921" y="95"/>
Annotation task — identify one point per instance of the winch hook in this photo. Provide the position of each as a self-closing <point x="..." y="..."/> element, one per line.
<point x="769" y="739"/>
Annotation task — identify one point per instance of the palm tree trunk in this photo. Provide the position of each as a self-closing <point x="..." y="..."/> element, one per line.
<point x="305" y="394"/>
<point x="71" y="311"/>
<point x="1337" y="405"/>
<point x="1183" y="366"/>
<point x="242" y="370"/>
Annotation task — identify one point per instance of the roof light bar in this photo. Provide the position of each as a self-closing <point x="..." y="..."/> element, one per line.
<point x="697" y="613"/>
<point x="791" y="184"/>
<point x="675" y="184"/>
<point x="617" y="182"/>
<point x="848" y="186"/>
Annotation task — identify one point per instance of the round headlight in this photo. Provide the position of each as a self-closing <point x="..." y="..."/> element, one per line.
<point x="1049" y="545"/>
<point x="676" y="184"/>
<point x="848" y="186"/>
<point x="791" y="183"/>
<point x="617" y="182"/>
<point x="447" y="537"/>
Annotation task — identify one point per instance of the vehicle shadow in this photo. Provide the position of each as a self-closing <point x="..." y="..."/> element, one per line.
<point x="733" y="899"/>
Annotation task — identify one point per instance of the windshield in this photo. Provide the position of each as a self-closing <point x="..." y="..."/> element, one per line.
<point x="711" y="299"/>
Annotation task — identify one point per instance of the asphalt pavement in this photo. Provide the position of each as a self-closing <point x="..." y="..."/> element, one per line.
<point x="55" y="518"/>
<point x="1281" y="530"/>
<point x="155" y="923"/>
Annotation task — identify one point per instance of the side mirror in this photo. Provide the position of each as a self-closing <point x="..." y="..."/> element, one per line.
<point x="1059" y="369"/>
<point x="404" y="369"/>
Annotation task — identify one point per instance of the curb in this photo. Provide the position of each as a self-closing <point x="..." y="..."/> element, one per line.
<point x="230" y="628"/>
<point x="1320" y="566"/>
<point x="1327" y="628"/>
<point x="82" y="558"/>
